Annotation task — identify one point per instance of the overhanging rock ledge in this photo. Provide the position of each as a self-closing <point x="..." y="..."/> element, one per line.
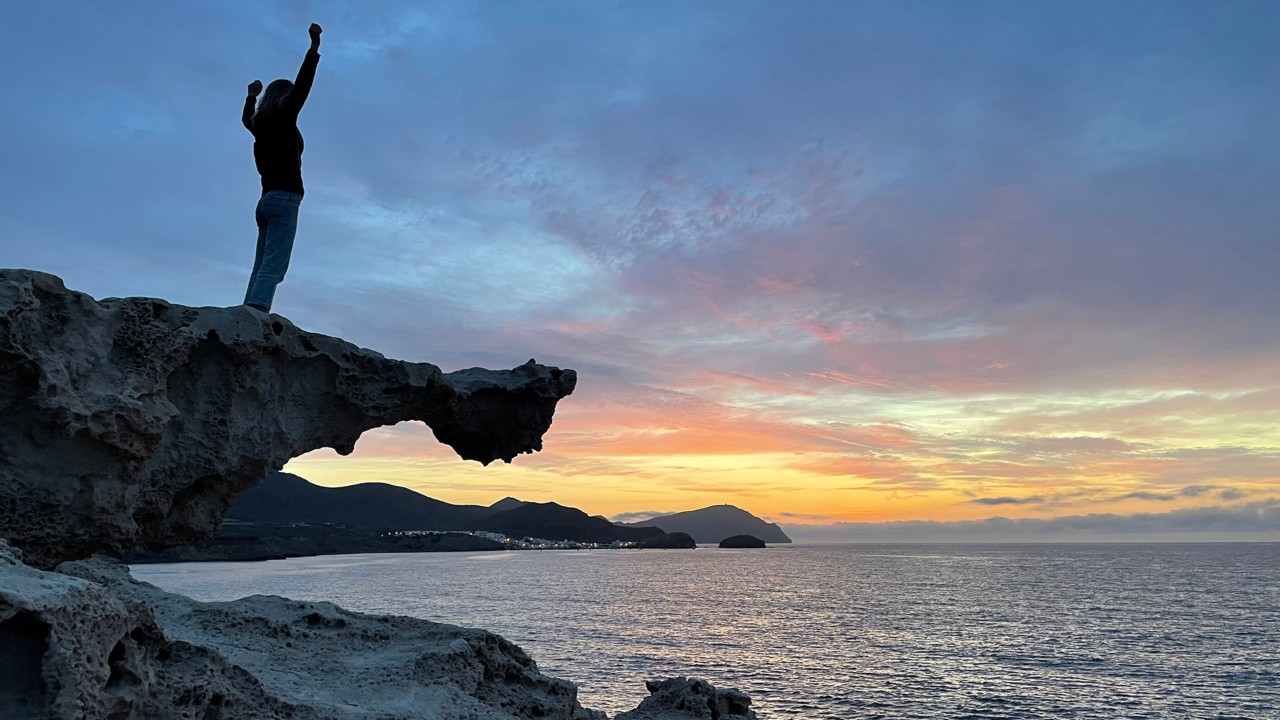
<point x="132" y="421"/>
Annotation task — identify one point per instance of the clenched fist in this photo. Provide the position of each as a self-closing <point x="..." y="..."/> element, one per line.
<point x="255" y="87"/>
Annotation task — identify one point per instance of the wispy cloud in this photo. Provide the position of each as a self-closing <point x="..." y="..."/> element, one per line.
<point x="637" y="516"/>
<point x="1190" y="491"/>
<point x="1030" y="500"/>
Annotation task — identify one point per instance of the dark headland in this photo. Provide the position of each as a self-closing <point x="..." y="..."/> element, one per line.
<point x="710" y="525"/>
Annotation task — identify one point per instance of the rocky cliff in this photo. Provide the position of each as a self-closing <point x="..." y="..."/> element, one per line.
<point x="135" y="421"/>
<point x="129" y="421"/>
<point x="91" y="642"/>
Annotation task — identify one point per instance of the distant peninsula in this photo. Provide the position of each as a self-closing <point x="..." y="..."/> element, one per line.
<point x="710" y="525"/>
<point x="241" y="541"/>
<point x="289" y="516"/>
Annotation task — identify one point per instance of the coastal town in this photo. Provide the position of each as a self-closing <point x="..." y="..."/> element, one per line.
<point x="525" y="543"/>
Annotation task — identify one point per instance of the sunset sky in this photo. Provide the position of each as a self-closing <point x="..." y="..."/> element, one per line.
<point x="831" y="262"/>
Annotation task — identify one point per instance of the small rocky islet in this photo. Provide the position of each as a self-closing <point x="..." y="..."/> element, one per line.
<point x="743" y="542"/>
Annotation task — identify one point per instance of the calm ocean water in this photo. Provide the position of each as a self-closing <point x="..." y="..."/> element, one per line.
<point x="847" y="631"/>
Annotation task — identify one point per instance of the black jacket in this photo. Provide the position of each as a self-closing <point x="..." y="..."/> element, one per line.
<point x="277" y="143"/>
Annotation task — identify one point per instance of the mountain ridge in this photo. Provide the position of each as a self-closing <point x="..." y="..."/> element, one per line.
<point x="284" y="498"/>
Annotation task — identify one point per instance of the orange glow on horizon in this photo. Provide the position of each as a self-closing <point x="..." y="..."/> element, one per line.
<point x="830" y="445"/>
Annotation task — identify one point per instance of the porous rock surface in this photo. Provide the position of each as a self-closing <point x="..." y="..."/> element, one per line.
<point x="690" y="699"/>
<point x="134" y="421"/>
<point x="89" y="642"/>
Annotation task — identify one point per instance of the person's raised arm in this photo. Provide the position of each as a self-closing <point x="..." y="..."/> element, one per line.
<point x="246" y="117"/>
<point x="307" y="74"/>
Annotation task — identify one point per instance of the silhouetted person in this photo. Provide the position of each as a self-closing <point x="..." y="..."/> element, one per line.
<point x="277" y="151"/>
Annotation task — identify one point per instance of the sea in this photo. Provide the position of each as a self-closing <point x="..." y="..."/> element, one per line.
<point x="827" y="632"/>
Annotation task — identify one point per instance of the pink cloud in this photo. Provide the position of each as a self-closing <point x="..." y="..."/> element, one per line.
<point x="757" y="383"/>
<point x="862" y="380"/>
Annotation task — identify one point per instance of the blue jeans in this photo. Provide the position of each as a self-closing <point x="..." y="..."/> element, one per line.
<point x="277" y="216"/>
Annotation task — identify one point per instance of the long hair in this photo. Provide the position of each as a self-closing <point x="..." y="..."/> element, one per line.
<point x="272" y="98"/>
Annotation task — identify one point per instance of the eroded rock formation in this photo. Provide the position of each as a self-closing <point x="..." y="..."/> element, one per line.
<point x="89" y="643"/>
<point x="136" y="421"/>
<point x="133" y="421"/>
